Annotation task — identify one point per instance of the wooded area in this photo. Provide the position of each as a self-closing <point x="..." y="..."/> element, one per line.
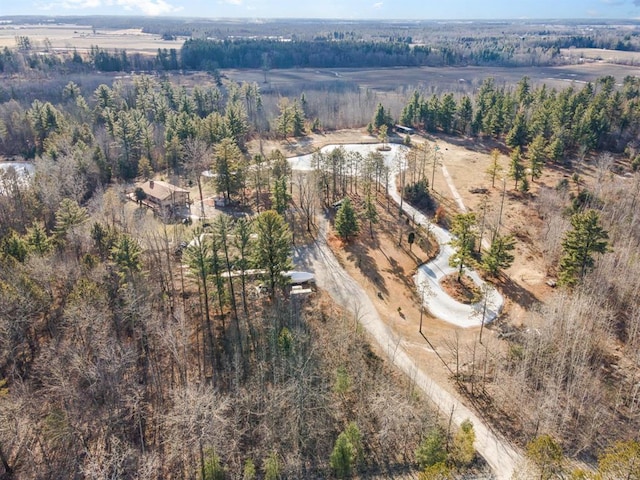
<point x="121" y="358"/>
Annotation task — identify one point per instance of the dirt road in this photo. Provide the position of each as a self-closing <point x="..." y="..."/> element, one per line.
<point x="319" y="259"/>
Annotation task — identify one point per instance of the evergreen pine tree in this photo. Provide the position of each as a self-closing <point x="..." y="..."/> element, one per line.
<point x="380" y="117"/>
<point x="280" y="195"/>
<point x="69" y="216"/>
<point x="499" y="255"/>
<point x="447" y="112"/>
<point x="431" y="450"/>
<point x="464" y="236"/>
<point x="272" y="467"/>
<point x="213" y="468"/>
<point x="465" y="114"/>
<point x="462" y="451"/>
<point x="516" y="169"/>
<point x="272" y="247"/>
<point x="342" y="457"/>
<point x="517" y="136"/>
<point x="546" y="454"/>
<point x="15" y="247"/>
<point x="370" y="212"/>
<point x="346" y="223"/>
<point x="537" y="153"/>
<point x="586" y="238"/>
<point x="297" y="121"/>
<point x="555" y="149"/>
<point x="621" y="460"/>
<point x="37" y="239"/>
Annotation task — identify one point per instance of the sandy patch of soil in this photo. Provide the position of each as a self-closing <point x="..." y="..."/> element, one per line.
<point x="385" y="269"/>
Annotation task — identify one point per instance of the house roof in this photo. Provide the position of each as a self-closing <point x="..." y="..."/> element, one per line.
<point x="160" y="190"/>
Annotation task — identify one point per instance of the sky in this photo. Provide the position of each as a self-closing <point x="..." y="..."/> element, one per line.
<point x="337" y="9"/>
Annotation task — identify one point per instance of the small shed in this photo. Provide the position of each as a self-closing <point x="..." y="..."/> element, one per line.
<point x="165" y="197"/>
<point x="405" y="130"/>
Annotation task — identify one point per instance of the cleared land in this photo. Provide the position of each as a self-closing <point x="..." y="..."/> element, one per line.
<point x="601" y="55"/>
<point x="432" y="79"/>
<point x="63" y="38"/>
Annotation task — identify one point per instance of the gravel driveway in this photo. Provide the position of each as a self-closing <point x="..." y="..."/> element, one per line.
<point x="330" y="276"/>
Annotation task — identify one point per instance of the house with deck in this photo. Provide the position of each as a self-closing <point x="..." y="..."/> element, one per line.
<point x="165" y="198"/>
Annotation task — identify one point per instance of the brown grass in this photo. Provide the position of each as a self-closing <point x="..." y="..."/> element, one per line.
<point x="464" y="291"/>
<point x="601" y="54"/>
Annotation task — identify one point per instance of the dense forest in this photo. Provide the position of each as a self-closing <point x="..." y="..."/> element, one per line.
<point x="27" y="59"/>
<point x="197" y="54"/>
<point x="211" y="55"/>
<point x="596" y="117"/>
<point x="115" y="365"/>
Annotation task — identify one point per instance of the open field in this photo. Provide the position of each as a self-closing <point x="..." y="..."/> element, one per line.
<point x="62" y="38"/>
<point x="435" y="79"/>
<point x="601" y="55"/>
<point x="66" y="37"/>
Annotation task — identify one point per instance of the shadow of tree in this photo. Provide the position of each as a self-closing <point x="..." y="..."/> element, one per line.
<point x="517" y="293"/>
<point x="480" y="144"/>
<point x="399" y="273"/>
<point x="360" y="256"/>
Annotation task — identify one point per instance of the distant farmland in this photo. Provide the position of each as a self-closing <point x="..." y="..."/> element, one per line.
<point x="66" y="38"/>
<point x="601" y="55"/>
<point x="63" y="38"/>
<point x="435" y="79"/>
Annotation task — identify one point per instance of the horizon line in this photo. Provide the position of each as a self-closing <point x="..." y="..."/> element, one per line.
<point x="342" y="19"/>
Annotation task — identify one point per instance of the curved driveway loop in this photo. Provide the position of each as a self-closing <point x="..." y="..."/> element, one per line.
<point x="329" y="274"/>
<point x="429" y="275"/>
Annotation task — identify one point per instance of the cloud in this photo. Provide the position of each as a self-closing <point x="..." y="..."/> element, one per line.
<point x="147" y="7"/>
<point x="233" y="2"/>
<point x="378" y="5"/>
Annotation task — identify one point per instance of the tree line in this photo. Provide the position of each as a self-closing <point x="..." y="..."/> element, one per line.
<point x="28" y="59"/>
<point x="211" y="55"/>
<point x="198" y="54"/>
<point x="550" y="123"/>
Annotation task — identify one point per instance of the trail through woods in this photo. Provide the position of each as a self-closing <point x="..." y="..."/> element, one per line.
<point x="330" y="276"/>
